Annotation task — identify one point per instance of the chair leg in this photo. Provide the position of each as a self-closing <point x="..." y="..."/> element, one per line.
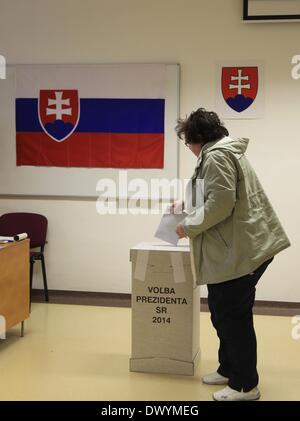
<point x="45" y="278"/>
<point x="30" y="282"/>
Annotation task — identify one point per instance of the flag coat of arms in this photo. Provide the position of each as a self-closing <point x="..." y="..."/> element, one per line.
<point x="91" y="116"/>
<point x="59" y="113"/>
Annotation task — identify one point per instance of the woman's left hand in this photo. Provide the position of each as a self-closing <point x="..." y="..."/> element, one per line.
<point x="180" y="231"/>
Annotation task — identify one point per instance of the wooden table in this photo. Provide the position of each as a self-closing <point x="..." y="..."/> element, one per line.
<point x="14" y="283"/>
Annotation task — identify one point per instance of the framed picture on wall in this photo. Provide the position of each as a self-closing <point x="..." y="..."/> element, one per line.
<point x="271" y="10"/>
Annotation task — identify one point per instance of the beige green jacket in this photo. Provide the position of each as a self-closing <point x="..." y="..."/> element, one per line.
<point x="235" y="229"/>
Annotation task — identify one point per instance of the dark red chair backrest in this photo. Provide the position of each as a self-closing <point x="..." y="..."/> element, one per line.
<point x="33" y="223"/>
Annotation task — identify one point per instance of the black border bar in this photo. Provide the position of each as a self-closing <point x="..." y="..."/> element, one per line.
<point x="248" y="17"/>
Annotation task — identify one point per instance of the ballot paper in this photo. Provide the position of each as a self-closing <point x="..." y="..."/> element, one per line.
<point x="166" y="230"/>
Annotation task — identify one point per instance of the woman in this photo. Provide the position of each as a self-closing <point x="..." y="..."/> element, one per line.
<point x="233" y="237"/>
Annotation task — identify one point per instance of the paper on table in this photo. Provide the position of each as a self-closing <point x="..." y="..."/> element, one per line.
<point x="166" y="230"/>
<point x="4" y="238"/>
<point x="21" y="236"/>
<point x="17" y="237"/>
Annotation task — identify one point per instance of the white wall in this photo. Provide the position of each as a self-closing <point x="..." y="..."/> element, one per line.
<point x="90" y="252"/>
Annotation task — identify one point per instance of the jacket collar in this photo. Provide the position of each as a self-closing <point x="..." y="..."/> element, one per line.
<point x="206" y="147"/>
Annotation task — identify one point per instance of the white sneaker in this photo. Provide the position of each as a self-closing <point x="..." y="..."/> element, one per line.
<point x="228" y="394"/>
<point x="214" y="378"/>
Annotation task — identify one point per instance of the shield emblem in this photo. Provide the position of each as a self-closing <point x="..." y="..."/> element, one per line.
<point x="239" y="86"/>
<point x="59" y="112"/>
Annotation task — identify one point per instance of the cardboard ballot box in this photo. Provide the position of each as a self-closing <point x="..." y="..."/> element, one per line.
<point x="165" y="310"/>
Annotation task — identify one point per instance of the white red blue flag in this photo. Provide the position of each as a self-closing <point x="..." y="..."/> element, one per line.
<point x="91" y="116"/>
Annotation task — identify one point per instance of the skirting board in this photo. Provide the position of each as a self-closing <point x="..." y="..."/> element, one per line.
<point x="273" y="308"/>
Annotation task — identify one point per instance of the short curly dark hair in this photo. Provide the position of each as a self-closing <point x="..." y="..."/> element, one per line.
<point x="201" y="127"/>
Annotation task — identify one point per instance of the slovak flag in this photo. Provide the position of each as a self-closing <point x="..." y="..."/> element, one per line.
<point x="90" y="116"/>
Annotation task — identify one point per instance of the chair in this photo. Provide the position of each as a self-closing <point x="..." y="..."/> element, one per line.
<point x="35" y="226"/>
